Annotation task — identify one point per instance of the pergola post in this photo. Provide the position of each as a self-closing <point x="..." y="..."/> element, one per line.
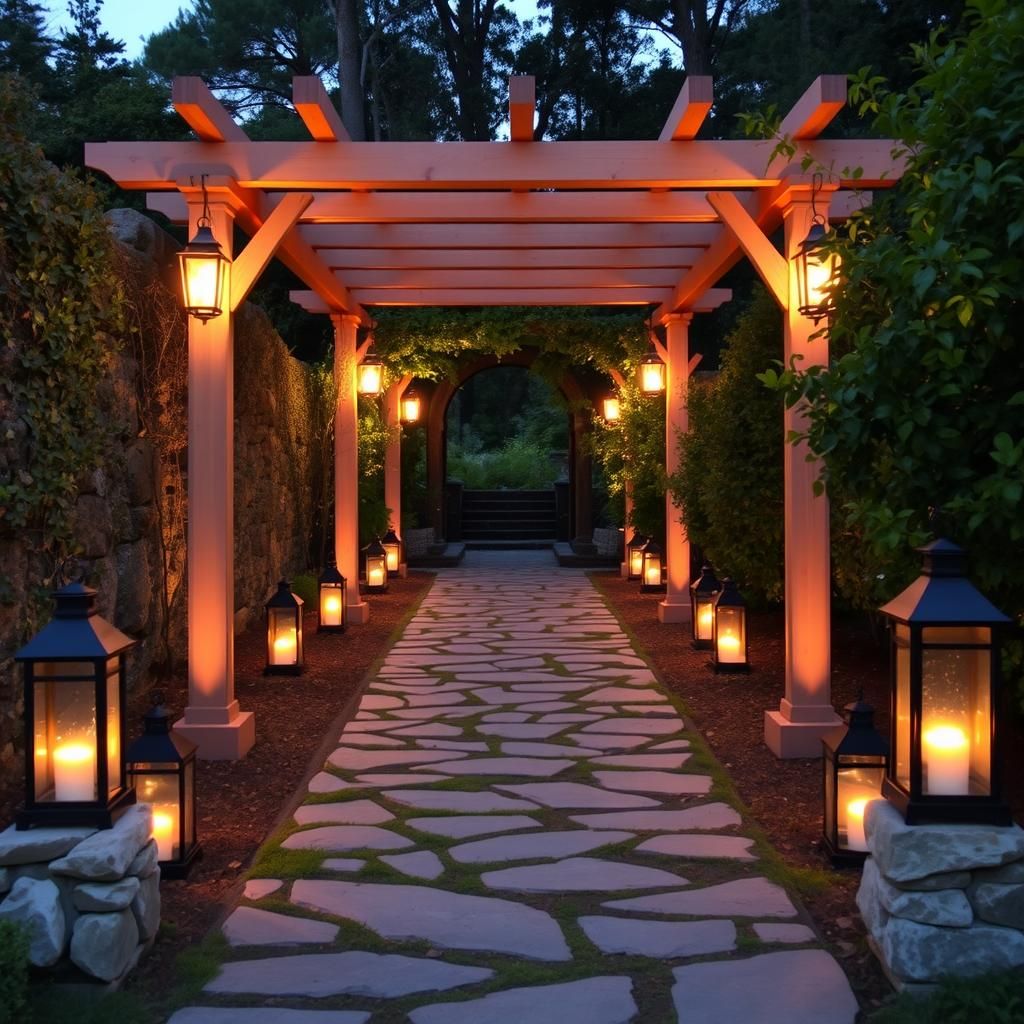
<point x="583" y="487"/>
<point x="393" y="454"/>
<point x="676" y="606"/>
<point x="346" y="463"/>
<point x="212" y="717"/>
<point x="626" y="528"/>
<point x="805" y="713"/>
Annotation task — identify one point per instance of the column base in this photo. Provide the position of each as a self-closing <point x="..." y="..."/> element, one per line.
<point x="403" y="570"/>
<point x="672" y="613"/>
<point x="358" y="614"/>
<point x="624" y="570"/>
<point x="786" y="739"/>
<point x="226" y="741"/>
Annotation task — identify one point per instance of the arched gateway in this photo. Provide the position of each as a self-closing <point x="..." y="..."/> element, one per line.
<point x="531" y="223"/>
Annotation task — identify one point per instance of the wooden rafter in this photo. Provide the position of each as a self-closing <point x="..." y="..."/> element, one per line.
<point x="522" y="103"/>
<point x="203" y="112"/>
<point x="692" y="106"/>
<point x="478" y="278"/>
<point x="313" y="105"/>
<point x="508" y="259"/>
<point x="815" y="110"/>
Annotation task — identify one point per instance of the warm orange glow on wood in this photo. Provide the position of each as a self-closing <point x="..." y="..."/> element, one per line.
<point x="522" y="103"/>
<point x="313" y="105"/>
<point x="692" y="106"/>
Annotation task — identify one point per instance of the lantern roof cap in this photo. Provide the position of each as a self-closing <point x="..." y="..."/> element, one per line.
<point x="76" y="632"/>
<point x="729" y="595"/>
<point x="943" y="593"/>
<point x="375" y="548"/>
<point x="331" y="574"/>
<point x="651" y="546"/>
<point x="203" y="243"/>
<point x="284" y="598"/>
<point x="707" y="582"/>
<point x="637" y="539"/>
<point x="390" y="537"/>
<point x="157" y="742"/>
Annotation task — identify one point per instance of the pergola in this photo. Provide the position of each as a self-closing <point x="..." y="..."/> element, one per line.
<point x="496" y="223"/>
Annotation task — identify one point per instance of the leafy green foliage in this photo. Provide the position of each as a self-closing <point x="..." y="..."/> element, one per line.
<point x="994" y="999"/>
<point x="13" y="972"/>
<point x="519" y="465"/>
<point x="374" y="433"/>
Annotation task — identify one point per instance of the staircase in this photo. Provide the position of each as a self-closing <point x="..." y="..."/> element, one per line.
<point x="521" y="518"/>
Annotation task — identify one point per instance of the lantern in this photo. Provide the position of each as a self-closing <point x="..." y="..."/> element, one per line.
<point x="371" y="375"/>
<point x="854" y="763"/>
<point x="729" y="644"/>
<point x="331" y="601"/>
<point x="635" y="554"/>
<point x="284" y="632"/>
<point x="204" y="269"/>
<point x="162" y="767"/>
<point x="650" y="567"/>
<point x="74" y="717"/>
<point x="702" y="607"/>
<point x="652" y="373"/>
<point x="411" y="406"/>
<point x="376" y="567"/>
<point x="392" y="545"/>
<point x="610" y="410"/>
<point x="944" y="762"/>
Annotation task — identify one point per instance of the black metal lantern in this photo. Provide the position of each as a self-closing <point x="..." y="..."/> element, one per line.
<point x="331" y="601"/>
<point x="817" y="269"/>
<point x="703" y="591"/>
<point x="411" y="406"/>
<point x="74" y="717"/>
<point x="204" y="269"/>
<point x="944" y="765"/>
<point x="376" y="567"/>
<point x="392" y="545"/>
<point x="284" y="632"/>
<point x="635" y="555"/>
<point x="729" y="643"/>
<point x="162" y="767"/>
<point x="611" y="409"/>
<point x="652" y="373"/>
<point x="854" y="763"/>
<point x="651" y="567"/>
<point x="370" y="378"/>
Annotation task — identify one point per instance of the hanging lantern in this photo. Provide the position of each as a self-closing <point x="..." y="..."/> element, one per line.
<point x="854" y="764"/>
<point x="944" y="762"/>
<point x="650" y="567"/>
<point x="74" y="717"/>
<point x="392" y="545"/>
<point x="376" y="567"/>
<point x="610" y="409"/>
<point x="729" y="650"/>
<point x="284" y="632"/>
<point x="331" y="601"/>
<point x="635" y="555"/>
<point x="371" y="375"/>
<point x="411" y="406"/>
<point x="652" y="373"/>
<point x="162" y="768"/>
<point x="703" y="591"/>
<point x="817" y="269"/>
<point x="204" y="269"/>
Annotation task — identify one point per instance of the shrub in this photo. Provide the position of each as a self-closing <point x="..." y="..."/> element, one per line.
<point x="13" y="973"/>
<point x="518" y="465"/>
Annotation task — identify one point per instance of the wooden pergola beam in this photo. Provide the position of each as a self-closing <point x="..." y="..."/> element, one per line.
<point x="313" y="105"/>
<point x="508" y="259"/>
<point x="522" y="102"/>
<point x="489" y="279"/>
<point x="203" y="112"/>
<point x="815" y="110"/>
<point x="770" y="263"/>
<point x="692" y="106"/>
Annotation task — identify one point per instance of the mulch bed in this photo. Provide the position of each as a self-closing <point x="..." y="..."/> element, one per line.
<point x="784" y="797"/>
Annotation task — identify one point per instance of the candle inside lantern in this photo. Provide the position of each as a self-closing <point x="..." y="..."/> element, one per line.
<point x="653" y="577"/>
<point x="330" y="612"/>
<point x="286" y="647"/>
<point x="392" y="557"/>
<point x="375" y="576"/>
<point x="165" y="830"/>
<point x="728" y="644"/>
<point x="74" y="772"/>
<point x="705" y="621"/>
<point x="652" y="377"/>
<point x="855" y="837"/>
<point x="636" y="561"/>
<point x="946" y="753"/>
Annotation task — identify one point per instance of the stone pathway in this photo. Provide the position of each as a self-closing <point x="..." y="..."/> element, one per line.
<point x="514" y="829"/>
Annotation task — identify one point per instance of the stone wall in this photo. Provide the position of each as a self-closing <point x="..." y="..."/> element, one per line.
<point x="131" y="513"/>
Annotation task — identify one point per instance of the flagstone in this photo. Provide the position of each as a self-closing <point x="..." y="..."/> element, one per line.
<point x="506" y="716"/>
<point x="426" y="729"/>
<point x="316" y="975"/>
<point x="662" y="939"/>
<point x="451" y="800"/>
<point x="379" y="702"/>
<point x="513" y="731"/>
<point x="538" y="767"/>
<point x="743" y="897"/>
<point x="535" y="846"/>
<point x="470" y="746"/>
<point x="397" y="778"/>
<point x="528" y="749"/>
<point x="575" y="794"/>
<point x="804" y="986"/>
<point x="704" y="816"/>
<point x="668" y="783"/>
<point x="419" y="864"/>
<point x="788" y="933"/>
<point x="343" y="864"/>
<point x="347" y="758"/>
<point x="590" y="1001"/>
<point x="553" y="705"/>
<point x="447" y="920"/>
<point x="377" y="725"/>
<point x="648" y="727"/>
<point x="665" y="761"/>
<point x="325" y="782"/>
<point x="250" y="926"/>
<point x="365" y="715"/>
<point x="608" y="740"/>
<point x="474" y="825"/>
<point x="433" y="700"/>
<point x="370" y="739"/>
<point x="346" y="837"/>
<point x="580" y="874"/>
<point x="265" y="1015"/>
<point x="257" y="888"/>
<point x="651" y="710"/>
<point x="623" y="693"/>
<point x="700" y="847"/>
<point x="672" y="745"/>
<point x="568" y="718"/>
<point x="348" y="812"/>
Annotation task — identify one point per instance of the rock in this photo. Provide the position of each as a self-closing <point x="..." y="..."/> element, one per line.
<point x="348" y="812"/>
<point x="265" y="1015"/>
<point x="534" y="846"/>
<point x="355" y="760"/>
<point x="35" y="905"/>
<point x="459" y="827"/>
<point x="106" y="855"/>
<point x="941" y="880"/>
<point x="5" y="881"/>
<point x="316" y="975"/>
<point x="146" y="862"/>
<point x="258" y="888"/>
<point x="998" y="904"/>
<point x="448" y="800"/>
<point x="745" y="897"/>
<point x="790" y="933"/>
<point x="420" y="864"/>
<point x="577" y="795"/>
<point x="533" y="767"/>
<point x="710" y="847"/>
<point x="924" y="953"/>
<point x="1008" y="874"/>
<point x="325" y="782"/>
<point x="662" y="783"/>
<point x="591" y="1001"/>
<point x="94" y="526"/>
<point x="36" y="845"/>
<point x="948" y="908"/>
<point x="908" y="852"/>
<point x="339" y="838"/>
<point x="97" y="897"/>
<point x="869" y="902"/>
<point x="448" y="920"/>
<point x="804" y="986"/>
<point x="146" y="907"/>
<point x="580" y="874"/>
<point x="662" y="939"/>
<point x="706" y="816"/>
<point x="104" y="945"/>
<point x="249" y="926"/>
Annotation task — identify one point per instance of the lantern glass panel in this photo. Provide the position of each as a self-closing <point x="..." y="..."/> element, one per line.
<point x="411" y="408"/>
<point x="611" y="410"/>
<point x="705" y="616"/>
<point x="652" y="569"/>
<point x="376" y="570"/>
<point x="652" y="377"/>
<point x="901" y="755"/>
<point x="392" y="555"/>
<point x="331" y="604"/>
<point x="159" y="785"/>
<point x="370" y="378"/>
<point x="113" y="726"/>
<point x="202" y="281"/>
<point x="731" y="639"/>
<point x="65" y="732"/>
<point x="859" y="778"/>
<point x="284" y="636"/>
<point x="636" y="562"/>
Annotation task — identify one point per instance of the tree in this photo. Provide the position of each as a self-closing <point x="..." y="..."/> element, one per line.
<point x="698" y="27"/>
<point x="350" y="64"/>
<point x="25" y="47"/>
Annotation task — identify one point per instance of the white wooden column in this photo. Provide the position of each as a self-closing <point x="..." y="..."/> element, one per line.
<point x="393" y="454"/>
<point x="346" y="464"/>
<point x="676" y="606"/>
<point x="212" y="717"/>
<point x="805" y="714"/>
<point x="627" y="530"/>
